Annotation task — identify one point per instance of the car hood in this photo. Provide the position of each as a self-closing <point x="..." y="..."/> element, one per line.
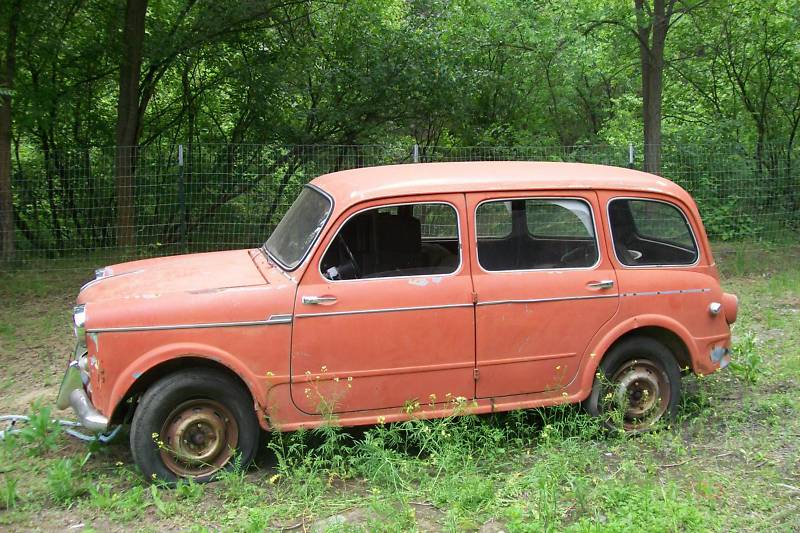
<point x="230" y="286"/>
<point x="151" y="278"/>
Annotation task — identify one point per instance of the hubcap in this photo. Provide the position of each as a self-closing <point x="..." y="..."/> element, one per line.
<point x="642" y="390"/>
<point x="198" y="438"/>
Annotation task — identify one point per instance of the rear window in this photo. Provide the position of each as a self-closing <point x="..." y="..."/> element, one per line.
<point x="651" y="233"/>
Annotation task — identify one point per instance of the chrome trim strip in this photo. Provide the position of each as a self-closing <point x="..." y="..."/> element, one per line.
<point x="528" y="197"/>
<point x="455" y="272"/>
<point x="672" y="204"/>
<point x="272" y="320"/>
<point x="539" y="300"/>
<point x="384" y="310"/>
<point x="280" y="319"/>
<point x="665" y="293"/>
<point x="524" y="359"/>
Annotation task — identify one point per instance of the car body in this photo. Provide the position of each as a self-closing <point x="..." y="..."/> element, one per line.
<point x="401" y="291"/>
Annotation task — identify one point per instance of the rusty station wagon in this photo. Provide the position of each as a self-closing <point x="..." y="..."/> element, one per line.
<point x="409" y="290"/>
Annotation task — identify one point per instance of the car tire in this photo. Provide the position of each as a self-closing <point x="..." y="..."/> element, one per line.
<point x="637" y="385"/>
<point x="194" y="424"/>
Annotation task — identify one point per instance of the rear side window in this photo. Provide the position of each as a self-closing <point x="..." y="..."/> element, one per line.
<point x="535" y="234"/>
<point x="554" y="219"/>
<point x="398" y="240"/>
<point x="651" y="233"/>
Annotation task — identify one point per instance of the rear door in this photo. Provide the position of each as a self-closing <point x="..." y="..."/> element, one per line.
<point x="544" y="287"/>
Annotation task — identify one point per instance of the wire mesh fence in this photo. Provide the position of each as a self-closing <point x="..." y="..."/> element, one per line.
<point x="101" y="205"/>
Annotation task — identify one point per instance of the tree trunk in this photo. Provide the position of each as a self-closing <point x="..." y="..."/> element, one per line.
<point x="128" y="119"/>
<point x="652" y="33"/>
<point x="7" y="83"/>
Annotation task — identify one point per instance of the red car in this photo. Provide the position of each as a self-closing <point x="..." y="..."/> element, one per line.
<point x="407" y="291"/>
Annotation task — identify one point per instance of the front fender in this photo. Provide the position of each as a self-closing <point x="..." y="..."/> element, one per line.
<point x="175" y="351"/>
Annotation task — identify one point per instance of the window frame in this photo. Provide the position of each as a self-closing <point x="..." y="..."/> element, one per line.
<point x="455" y="272"/>
<point x="664" y="265"/>
<point x="512" y="198"/>
<point x="314" y="242"/>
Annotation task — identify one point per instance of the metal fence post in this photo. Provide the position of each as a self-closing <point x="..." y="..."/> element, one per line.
<point x="630" y="155"/>
<point x="182" y="199"/>
<point x="416" y="153"/>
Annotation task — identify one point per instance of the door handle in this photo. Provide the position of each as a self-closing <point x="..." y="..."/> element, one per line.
<point x="602" y="284"/>
<point x="316" y="300"/>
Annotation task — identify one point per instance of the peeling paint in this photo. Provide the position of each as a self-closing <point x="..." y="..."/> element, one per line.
<point x="418" y="282"/>
<point x="236" y="288"/>
<point x="436" y="279"/>
<point x="137" y="375"/>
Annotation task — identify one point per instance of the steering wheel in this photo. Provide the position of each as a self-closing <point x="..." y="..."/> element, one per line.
<point x="356" y="270"/>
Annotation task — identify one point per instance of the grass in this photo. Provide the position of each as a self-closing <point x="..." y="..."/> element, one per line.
<point x="731" y="461"/>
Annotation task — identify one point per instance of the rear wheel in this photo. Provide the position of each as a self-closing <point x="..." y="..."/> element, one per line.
<point x="637" y="385"/>
<point x="193" y="424"/>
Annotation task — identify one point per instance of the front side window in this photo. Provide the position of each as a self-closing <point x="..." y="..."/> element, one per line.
<point x="651" y="233"/>
<point x="299" y="228"/>
<point x="535" y="233"/>
<point x="399" y="240"/>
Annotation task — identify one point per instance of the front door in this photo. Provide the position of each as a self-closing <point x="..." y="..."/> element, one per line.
<point x="383" y="316"/>
<point x="544" y="286"/>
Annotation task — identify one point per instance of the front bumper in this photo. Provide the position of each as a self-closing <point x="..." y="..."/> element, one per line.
<point x="72" y="394"/>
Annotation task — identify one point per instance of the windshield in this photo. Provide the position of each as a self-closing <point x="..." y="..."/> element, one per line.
<point x="299" y="228"/>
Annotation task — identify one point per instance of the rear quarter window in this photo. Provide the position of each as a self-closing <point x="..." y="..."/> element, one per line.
<point x="651" y="233"/>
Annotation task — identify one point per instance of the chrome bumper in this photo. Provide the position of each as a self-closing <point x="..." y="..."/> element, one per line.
<point x="72" y="394"/>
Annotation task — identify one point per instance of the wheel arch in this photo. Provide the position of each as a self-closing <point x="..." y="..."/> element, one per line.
<point x="144" y="379"/>
<point x="668" y="332"/>
<point x="667" y="337"/>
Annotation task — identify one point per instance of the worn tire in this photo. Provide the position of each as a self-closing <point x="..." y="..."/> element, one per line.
<point x="214" y="402"/>
<point x="642" y="371"/>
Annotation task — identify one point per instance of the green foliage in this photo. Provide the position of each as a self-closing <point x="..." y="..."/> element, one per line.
<point x="747" y="363"/>
<point x="41" y="433"/>
<point x="65" y="481"/>
<point x="8" y="492"/>
<point x="124" y="505"/>
<point x="246" y="87"/>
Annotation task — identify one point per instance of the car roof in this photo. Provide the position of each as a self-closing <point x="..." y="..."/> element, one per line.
<point x="351" y="186"/>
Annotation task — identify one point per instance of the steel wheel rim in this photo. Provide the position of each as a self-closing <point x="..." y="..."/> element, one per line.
<point x="198" y="438"/>
<point x="642" y="390"/>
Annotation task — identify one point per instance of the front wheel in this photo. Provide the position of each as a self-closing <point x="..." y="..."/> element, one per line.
<point x="193" y="424"/>
<point x="637" y="384"/>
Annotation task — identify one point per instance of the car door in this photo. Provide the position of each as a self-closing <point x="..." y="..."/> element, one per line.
<point x="383" y="316"/>
<point x="544" y="287"/>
